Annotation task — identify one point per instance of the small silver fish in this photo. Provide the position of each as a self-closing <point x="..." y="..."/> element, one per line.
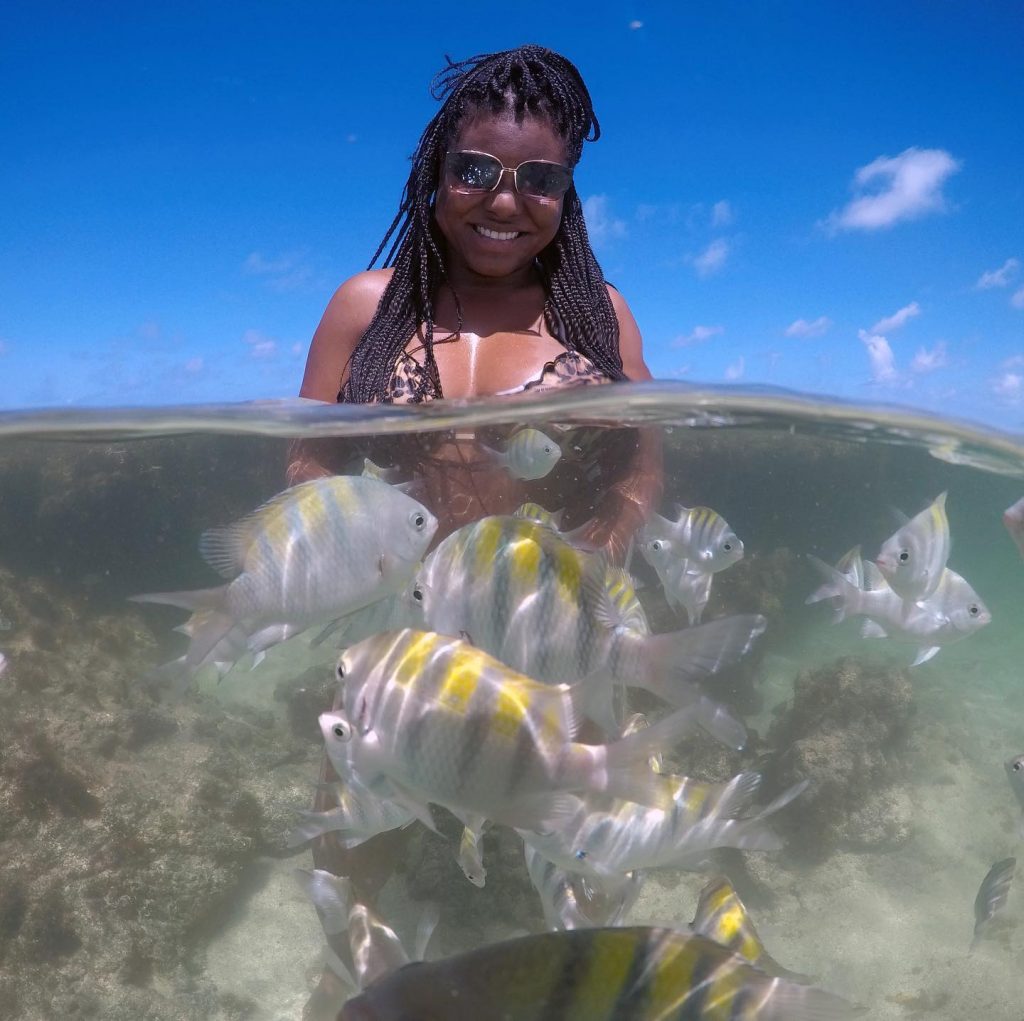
<point x="1013" y="518"/>
<point x="914" y="557"/>
<point x="1015" y="774"/>
<point x="992" y="896"/>
<point x="315" y="552"/>
<point x="699" y="534"/>
<point x="3" y="662"/>
<point x="952" y="612"/>
<point x="529" y="454"/>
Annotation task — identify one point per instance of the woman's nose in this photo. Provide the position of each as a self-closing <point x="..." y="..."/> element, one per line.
<point x="504" y="200"/>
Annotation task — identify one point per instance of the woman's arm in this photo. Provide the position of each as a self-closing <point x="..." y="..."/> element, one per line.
<point x="344" y="322"/>
<point x="636" y="492"/>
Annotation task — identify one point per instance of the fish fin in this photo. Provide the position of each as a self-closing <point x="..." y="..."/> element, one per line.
<point x="629" y="774"/>
<point x="694" y="652"/>
<point x="925" y="654"/>
<point x="872" y="629"/>
<point x="792" y="1002"/>
<point x="497" y="456"/>
<point x="716" y="719"/>
<point x="429" y="917"/>
<point x="331" y="628"/>
<point x="873" y="578"/>
<point x="412" y="804"/>
<point x="257" y="658"/>
<point x="594" y="698"/>
<point x="331" y="896"/>
<point x="199" y="601"/>
<point x="338" y="966"/>
<point x="834" y="587"/>
<point x="788" y="795"/>
<point x="737" y="793"/>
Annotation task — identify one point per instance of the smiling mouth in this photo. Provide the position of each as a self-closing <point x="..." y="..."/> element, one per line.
<point x="498" y="235"/>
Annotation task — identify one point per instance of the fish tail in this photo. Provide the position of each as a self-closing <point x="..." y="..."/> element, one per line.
<point x="310" y="826"/>
<point x="200" y="600"/>
<point x="788" y="1001"/>
<point x="629" y="774"/>
<point x="836" y="588"/>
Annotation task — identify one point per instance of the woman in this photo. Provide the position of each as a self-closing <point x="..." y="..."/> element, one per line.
<point x="490" y="287"/>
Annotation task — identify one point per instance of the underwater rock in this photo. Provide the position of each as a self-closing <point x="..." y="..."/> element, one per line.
<point x="127" y="825"/>
<point x="846" y="730"/>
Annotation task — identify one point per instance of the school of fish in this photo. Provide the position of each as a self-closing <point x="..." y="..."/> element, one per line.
<point x="491" y="676"/>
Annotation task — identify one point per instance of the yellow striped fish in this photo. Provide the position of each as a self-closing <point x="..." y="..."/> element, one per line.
<point x="438" y="720"/>
<point x="914" y="556"/>
<point x="315" y="552"/>
<point x="700" y="535"/>
<point x="609" y="974"/>
<point x="723" y="917"/>
<point x="518" y="590"/>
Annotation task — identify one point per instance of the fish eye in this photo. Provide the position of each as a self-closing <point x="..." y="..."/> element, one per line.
<point x="973" y="609"/>
<point x="1018" y="766"/>
<point x="417" y="594"/>
<point x="339" y="670"/>
<point x="547" y="450"/>
<point x="727" y="546"/>
<point x="418" y="519"/>
<point x="656" y="545"/>
<point x="580" y="855"/>
<point x="904" y="556"/>
<point x="340" y="731"/>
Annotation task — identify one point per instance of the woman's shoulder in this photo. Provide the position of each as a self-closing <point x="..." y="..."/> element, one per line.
<point x="348" y="314"/>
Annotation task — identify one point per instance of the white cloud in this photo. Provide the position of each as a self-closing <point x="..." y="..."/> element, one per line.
<point x="712" y="259"/>
<point x="260" y="345"/>
<point x="809" y="328"/>
<point x="722" y="214"/>
<point x="998" y="277"/>
<point x="883" y="361"/>
<point x="601" y="225"/>
<point x="735" y="370"/>
<point x="928" y="361"/>
<point x="287" y="272"/>
<point x="634" y="25"/>
<point x="1017" y="301"/>
<point x="909" y="186"/>
<point x="698" y="335"/>
<point x="1009" y="386"/>
<point x="897" y="319"/>
<point x="194" y="366"/>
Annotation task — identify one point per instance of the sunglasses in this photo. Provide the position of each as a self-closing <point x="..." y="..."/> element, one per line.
<point x="482" y="172"/>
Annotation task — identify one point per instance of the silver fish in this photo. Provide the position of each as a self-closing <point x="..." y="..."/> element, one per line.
<point x="3" y="662"/>
<point x="639" y="973"/>
<point x="529" y="454"/>
<point x="914" y="557"/>
<point x="699" y="534"/>
<point x="440" y="721"/>
<point x="1015" y="774"/>
<point x="523" y="594"/>
<point x="358" y="816"/>
<point x="992" y="896"/>
<point x="951" y="613"/>
<point x="570" y="902"/>
<point x="610" y="837"/>
<point x="313" y="553"/>
<point x="1013" y="518"/>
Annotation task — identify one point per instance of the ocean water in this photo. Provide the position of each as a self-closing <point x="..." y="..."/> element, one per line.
<point x="144" y="870"/>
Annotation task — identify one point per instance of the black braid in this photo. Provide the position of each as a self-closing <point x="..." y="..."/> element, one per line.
<point x="529" y="80"/>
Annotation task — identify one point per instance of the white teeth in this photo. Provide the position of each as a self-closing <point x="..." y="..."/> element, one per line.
<point x="498" y="235"/>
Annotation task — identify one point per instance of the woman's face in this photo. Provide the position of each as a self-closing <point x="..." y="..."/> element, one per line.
<point x="464" y="218"/>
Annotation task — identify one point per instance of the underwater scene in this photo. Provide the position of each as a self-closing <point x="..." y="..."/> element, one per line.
<point x="626" y="702"/>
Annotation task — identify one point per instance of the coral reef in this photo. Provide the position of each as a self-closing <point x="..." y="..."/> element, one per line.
<point x="845" y="730"/>
<point x="127" y="825"/>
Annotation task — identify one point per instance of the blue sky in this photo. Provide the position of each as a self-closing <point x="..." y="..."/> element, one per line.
<point x="821" y="196"/>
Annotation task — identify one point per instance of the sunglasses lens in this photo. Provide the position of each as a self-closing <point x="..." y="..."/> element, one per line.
<point x="474" y="171"/>
<point x="543" y="180"/>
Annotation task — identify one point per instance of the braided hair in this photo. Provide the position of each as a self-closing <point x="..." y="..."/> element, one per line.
<point x="527" y="81"/>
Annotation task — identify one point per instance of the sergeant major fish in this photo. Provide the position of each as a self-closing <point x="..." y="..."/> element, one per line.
<point x="723" y="917"/>
<point x="607" y="974"/>
<point x="554" y="613"/>
<point x="913" y="558"/>
<point x="700" y="535"/>
<point x="529" y="454"/>
<point x="992" y="896"/>
<point x="441" y="721"/>
<point x="315" y="552"/>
